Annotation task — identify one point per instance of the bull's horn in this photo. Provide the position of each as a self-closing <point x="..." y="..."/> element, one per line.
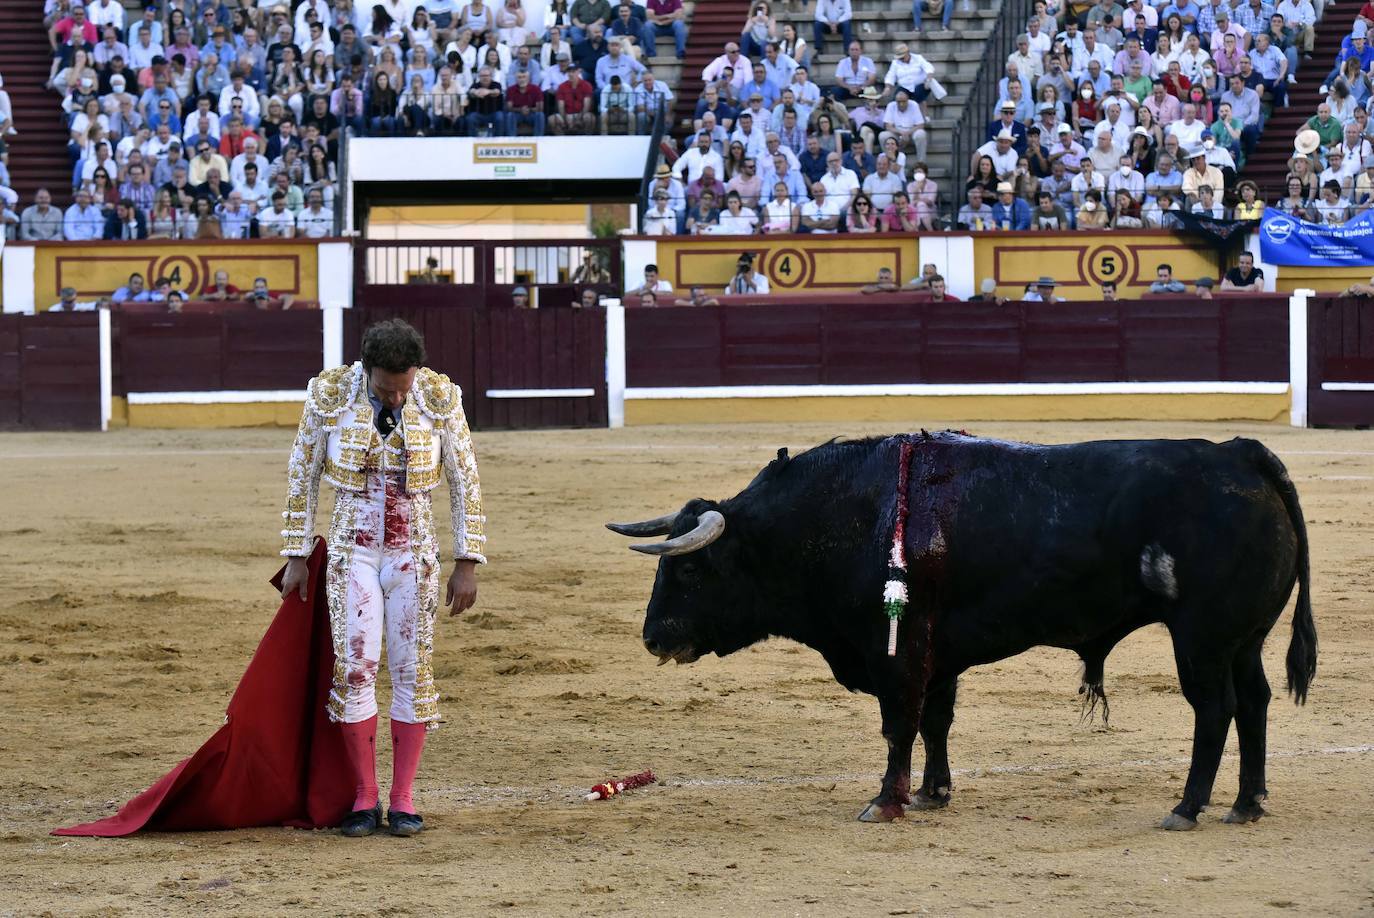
<point x="710" y="526"/>
<point x="655" y="527"/>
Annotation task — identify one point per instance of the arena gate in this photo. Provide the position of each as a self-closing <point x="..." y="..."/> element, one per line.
<point x="1340" y="354"/>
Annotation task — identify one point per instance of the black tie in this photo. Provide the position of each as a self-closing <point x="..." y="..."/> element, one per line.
<point x="386" y="422"/>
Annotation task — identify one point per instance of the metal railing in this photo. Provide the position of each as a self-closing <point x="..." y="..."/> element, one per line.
<point x="983" y="93"/>
<point x="629" y="112"/>
<point x="485" y="263"/>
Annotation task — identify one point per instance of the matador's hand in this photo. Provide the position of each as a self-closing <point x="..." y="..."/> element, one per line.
<point x="462" y="587"/>
<point x="296" y="578"/>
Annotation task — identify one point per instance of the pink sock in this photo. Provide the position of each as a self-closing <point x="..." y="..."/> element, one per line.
<point x="360" y="743"/>
<point x="407" y="742"/>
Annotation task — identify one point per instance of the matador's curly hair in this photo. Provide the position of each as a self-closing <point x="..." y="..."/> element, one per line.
<point x="394" y="346"/>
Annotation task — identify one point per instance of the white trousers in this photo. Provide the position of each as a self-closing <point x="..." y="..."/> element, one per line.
<point x="383" y="585"/>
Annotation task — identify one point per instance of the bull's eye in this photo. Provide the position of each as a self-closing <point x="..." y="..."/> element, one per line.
<point x="688" y="572"/>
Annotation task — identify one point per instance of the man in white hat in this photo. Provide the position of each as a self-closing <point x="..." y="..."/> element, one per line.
<point x="1001" y="151"/>
<point x="1010" y="212"/>
<point x="1066" y="150"/>
<point x="1006" y="121"/>
<point x="1200" y="173"/>
<point x="1042" y="291"/>
<point x="910" y="72"/>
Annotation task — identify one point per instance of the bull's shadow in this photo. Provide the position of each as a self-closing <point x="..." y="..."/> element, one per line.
<point x="1004" y="547"/>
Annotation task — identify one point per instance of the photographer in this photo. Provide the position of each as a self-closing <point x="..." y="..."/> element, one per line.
<point x="746" y="279"/>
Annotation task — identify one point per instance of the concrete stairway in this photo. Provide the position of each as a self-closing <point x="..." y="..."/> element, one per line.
<point x="1268" y="164"/>
<point x="38" y="154"/>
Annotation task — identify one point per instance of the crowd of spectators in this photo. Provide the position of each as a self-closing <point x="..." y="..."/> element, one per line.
<point x="1331" y="172"/>
<point x="163" y="290"/>
<point x="196" y="119"/>
<point x="773" y="150"/>
<point x="1125" y="117"/>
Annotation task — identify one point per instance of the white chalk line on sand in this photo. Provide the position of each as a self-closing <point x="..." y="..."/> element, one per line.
<point x="475" y="795"/>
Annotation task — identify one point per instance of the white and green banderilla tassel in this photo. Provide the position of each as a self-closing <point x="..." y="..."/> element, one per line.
<point x="895" y="595"/>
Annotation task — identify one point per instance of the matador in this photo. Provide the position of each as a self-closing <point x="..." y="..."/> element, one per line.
<point x="383" y="431"/>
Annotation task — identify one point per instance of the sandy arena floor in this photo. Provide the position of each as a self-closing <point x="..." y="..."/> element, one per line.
<point x="134" y="571"/>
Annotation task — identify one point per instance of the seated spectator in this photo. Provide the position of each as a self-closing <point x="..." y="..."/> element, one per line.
<point x="1001" y="153"/>
<point x="855" y="74"/>
<point x="1010" y="212"/>
<point x="697" y="296"/>
<point x="132" y="292"/>
<point x="747" y="183"/>
<point x="41" y="222"/>
<point x="923" y="193"/>
<point x="901" y="216"/>
<point x="316" y="221"/>
<point x="987" y="293"/>
<point x="1126" y="211"/>
<point x="277" y="221"/>
<point x="704" y="217"/>
<point x="832" y="18"/>
<point x="821" y="214"/>
<point x="1244" y="276"/>
<point x="736" y="219"/>
<point x="665" y="17"/>
<point x="574" y="106"/>
<point x="1332" y="208"/>
<point x="885" y="283"/>
<point x="1091" y="214"/>
<point x="127" y="222"/>
<point x="83" y="220"/>
<point x="262" y="297"/>
<point x="1165" y="283"/>
<point x="781" y="214"/>
<point x="1042" y="291"/>
<point x="911" y="72"/>
<point x="617" y="106"/>
<point x="1048" y="214"/>
<point x="976" y="215"/>
<point x="863" y="217"/>
<point x="1160" y="212"/>
<point x="1200" y="173"/>
<point x="936" y="292"/>
<point x="904" y="121"/>
<point x="220" y="290"/>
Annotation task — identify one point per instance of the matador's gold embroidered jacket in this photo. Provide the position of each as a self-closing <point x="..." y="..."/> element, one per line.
<point x="337" y="441"/>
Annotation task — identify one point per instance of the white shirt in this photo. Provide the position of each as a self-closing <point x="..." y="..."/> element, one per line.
<point x="1001" y="162"/>
<point x="192" y="125"/>
<point x="1188" y="134"/>
<point x="909" y="74"/>
<point x="315" y="225"/>
<point x="248" y="94"/>
<point x="258" y="195"/>
<point x="833" y="10"/>
<point x="660" y="222"/>
<point x="1299" y="13"/>
<point x="277" y="225"/>
<point x="819" y="211"/>
<point x="840" y="188"/>
<point x="904" y="120"/>
<point x="693" y="161"/>
<point x="742" y="224"/>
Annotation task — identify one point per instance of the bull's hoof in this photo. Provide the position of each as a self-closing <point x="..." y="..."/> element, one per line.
<point x="1239" y="817"/>
<point x="923" y="801"/>
<point x="1176" y="823"/>
<point x="881" y="812"/>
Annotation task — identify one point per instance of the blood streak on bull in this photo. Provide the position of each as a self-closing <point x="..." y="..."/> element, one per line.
<point x="1013" y="546"/>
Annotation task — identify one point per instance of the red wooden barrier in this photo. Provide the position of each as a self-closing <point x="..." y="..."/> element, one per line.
<point x="50" y="371"/>
<point x="899" y="339"/>
<point x="487" y="350"/>
<point x="232" y="350"/>
<point x="1340" y="350"/>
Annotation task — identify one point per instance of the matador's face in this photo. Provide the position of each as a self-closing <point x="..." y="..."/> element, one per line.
<point x="390" y="388"/>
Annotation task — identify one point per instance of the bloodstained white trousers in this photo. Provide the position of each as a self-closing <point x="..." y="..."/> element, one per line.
<point x="384" y="581"/>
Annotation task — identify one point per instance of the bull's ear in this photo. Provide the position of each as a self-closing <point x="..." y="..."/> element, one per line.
<point x="782" y="454"/>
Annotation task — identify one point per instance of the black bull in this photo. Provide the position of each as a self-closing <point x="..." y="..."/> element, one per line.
<point x="1011" y="546"/>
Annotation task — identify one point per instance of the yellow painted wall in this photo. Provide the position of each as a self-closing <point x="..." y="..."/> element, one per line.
<point x="913" y="411"/>
<point x="1080" y="262"/>
<point x="480" y="221"/>
<point x="255" y="414"/>
<point x="797" y="264"/>
<point x="1322" y="280"/>
<point x="99" y="268"/>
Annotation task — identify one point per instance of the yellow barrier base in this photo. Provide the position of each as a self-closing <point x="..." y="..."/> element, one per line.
<point x="256" y="414"/>
<point x="1106" y="407"/>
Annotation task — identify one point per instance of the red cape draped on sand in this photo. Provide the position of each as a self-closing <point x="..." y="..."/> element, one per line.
<point x="277" y="761"/>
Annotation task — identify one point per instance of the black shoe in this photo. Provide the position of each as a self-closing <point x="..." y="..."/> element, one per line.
<point x="361" y="823"/>
<point x="405" y="824"/>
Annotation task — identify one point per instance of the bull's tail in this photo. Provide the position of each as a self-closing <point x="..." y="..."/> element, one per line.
<point x="1302" y="649"/>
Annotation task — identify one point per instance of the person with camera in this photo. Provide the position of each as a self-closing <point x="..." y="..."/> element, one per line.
<point x="746" y="279"/>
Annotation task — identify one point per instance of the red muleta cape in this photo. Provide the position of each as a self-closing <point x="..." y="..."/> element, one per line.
<point x="277" y="761"/>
